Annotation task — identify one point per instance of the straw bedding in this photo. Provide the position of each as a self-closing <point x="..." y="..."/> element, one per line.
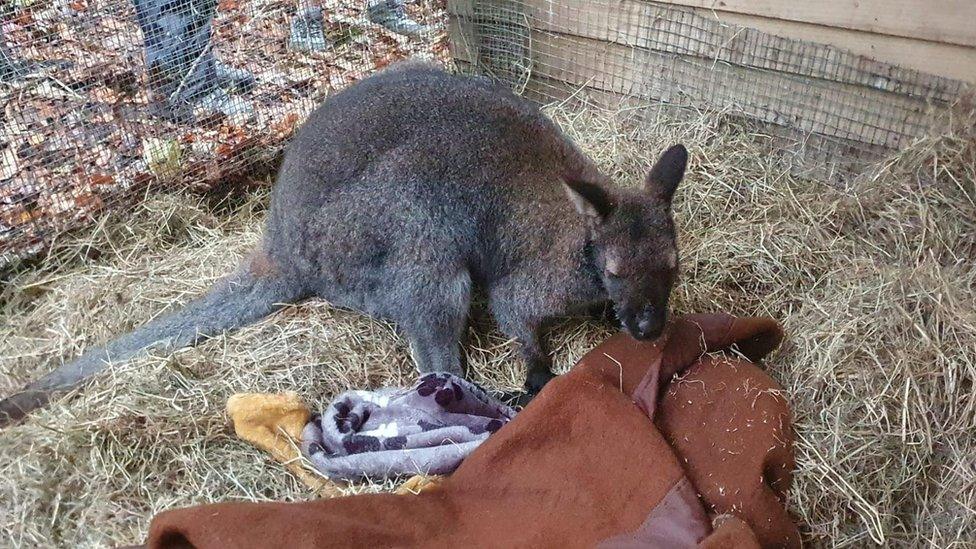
<point x="875" y="285"/>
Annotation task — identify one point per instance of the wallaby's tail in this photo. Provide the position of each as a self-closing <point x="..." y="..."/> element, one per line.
<point x="254" y="291"/>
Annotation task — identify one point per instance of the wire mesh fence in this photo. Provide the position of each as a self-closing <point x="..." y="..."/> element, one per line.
<point x="834" y="111"/>
<point x="106" y="99"/>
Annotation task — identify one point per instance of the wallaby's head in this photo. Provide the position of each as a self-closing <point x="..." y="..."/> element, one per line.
<point x="633" y="239"/>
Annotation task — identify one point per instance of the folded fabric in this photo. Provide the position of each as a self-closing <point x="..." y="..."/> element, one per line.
<point x="426" y="429"/>
<point x="616" y="453"/>
<point x="273" y="422"/>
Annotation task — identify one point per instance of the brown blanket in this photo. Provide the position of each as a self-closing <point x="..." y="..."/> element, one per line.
<point x="613" y="454"/>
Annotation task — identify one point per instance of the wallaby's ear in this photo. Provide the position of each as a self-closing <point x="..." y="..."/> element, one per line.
<point x="667" y="172"/>
<point x="590" y="199"/>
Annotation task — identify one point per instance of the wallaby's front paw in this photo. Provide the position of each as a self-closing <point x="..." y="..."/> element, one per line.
<point x="536" y="380"/>
<point x="515" y="399"/>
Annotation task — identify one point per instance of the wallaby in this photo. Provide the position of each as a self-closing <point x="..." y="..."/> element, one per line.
<point x="407" y="190"/>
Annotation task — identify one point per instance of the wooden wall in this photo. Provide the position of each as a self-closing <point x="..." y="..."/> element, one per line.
<point x="809" y="71"/>
<point x="933" y="36"/>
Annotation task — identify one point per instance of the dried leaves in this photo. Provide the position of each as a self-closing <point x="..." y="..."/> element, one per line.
<point x="75" y="126"/>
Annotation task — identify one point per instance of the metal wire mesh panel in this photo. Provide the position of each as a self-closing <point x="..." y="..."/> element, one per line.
<point x="838" y="109"/>
<point x="104" y="99"/>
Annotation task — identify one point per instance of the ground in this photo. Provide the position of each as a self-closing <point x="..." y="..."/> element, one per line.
<point x="874" y="285"/>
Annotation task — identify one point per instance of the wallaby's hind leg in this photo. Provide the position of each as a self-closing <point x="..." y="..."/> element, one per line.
<point x="434" y="322"/>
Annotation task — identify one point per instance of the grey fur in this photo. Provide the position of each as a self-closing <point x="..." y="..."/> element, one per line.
<point x="406" y="191"/>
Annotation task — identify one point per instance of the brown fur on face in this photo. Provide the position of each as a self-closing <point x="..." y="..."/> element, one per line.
<point x="634" y="241"/>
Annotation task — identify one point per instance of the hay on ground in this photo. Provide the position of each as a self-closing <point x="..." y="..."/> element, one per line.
<point x="875" y="286"/>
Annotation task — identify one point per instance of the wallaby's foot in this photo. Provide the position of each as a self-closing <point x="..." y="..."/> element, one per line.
<point x="534" y="382"/>
<point x="507" y="397"/>
<point x="17" y="406"/>
<point x="515" y="399"/>
<point x="537" y="379"/>
<point x="436" y="352"/>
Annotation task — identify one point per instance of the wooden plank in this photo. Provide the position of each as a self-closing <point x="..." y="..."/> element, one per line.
<point x="825" y="108"/>
<point x="945" y="21"/>
<point x="947" y="60"/>
<point x="463" y="39"/>
<point x="461" y="8"/>
<point x="608" y="50"/>
<point x="493" y="36"/>
<point x="831" y="159"/>
<point x="682" y="31"/>
<point x="461" y="32"/>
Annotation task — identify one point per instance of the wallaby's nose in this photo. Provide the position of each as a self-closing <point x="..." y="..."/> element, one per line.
<point x="650" y="324"/>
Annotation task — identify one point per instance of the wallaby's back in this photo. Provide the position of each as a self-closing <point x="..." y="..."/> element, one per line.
<point x="402" y="193"/>
<point x="446" y="160"/>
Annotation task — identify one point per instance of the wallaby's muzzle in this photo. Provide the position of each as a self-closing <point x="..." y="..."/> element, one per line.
<point x="646" y="323"/>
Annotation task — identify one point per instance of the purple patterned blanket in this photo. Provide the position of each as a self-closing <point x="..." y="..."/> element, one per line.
<point x="426" y="429"/>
